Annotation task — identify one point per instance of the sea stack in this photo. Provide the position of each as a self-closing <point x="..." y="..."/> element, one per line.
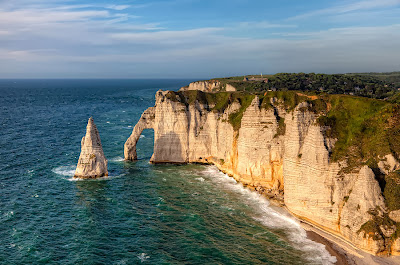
<point x="92" y="163"/>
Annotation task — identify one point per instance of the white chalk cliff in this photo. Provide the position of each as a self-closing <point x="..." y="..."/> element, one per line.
<point x="281" y="153"/>
<point x="92" y="163"/>
<point x="209" y="86"/>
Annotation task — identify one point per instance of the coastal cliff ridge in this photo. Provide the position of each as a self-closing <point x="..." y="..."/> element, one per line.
<point x="332" y="160"/>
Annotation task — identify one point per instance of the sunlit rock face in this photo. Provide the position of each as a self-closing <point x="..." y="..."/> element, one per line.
<point x="92" y="163"/>
<point x="209" y="86"/>
<point x="279" y="152"/>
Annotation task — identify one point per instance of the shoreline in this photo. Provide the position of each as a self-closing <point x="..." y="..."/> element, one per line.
<point x="341" y="256"/>
<point x="344" y="252"/>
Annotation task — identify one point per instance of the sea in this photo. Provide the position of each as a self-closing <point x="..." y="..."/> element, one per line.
<point x="141" y="213"/>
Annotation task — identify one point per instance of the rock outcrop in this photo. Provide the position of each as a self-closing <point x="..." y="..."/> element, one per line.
<point x="92" y="163"/>
<point x="282" y="153"/>
<point x="209" y="86"/>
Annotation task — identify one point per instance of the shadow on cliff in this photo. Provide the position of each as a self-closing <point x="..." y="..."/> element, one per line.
<point x="168" y="149"/>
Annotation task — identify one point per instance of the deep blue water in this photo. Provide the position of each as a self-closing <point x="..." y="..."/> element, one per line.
<point x="150" y="214"/>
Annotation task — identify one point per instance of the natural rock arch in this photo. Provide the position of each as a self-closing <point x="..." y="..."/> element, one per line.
<point x="146" y="121"/>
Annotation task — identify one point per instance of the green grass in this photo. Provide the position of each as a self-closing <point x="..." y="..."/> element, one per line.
<point x="281" y="127"/>
<point x="236" y="118"/>
<point x="217" y="102"/>
<point x="360" y="125"/>
<point x="290" y="99"/>
<point x="392" y="191"/>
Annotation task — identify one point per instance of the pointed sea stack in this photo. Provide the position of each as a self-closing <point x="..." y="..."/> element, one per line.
<point x="92" y="163"/>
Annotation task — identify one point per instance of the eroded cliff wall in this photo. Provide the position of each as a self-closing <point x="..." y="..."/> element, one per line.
<point x="282" y="153"/>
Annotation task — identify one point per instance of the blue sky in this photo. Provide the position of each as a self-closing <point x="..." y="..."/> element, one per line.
<point x="196" y="38"/>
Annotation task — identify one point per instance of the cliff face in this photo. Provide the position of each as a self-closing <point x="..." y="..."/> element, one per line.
<point x="209" y="86"/>
<point x="92" y="163"/>
<point x="284" y="154"/>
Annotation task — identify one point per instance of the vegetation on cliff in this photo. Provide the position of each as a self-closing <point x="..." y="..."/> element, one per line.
<point x="373" y="228"/>
<point x="217" y="102"/>
<point x="373" y="85"/>
<point x="392" y="191"/>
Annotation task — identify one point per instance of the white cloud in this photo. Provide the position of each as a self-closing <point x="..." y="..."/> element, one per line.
<point x="263" y="25"/>
<point x="27" y="17"/>
<point x="167" y="36"/>
<point x="352" y="7"/>
<point x="85" y="40"/>
<point x="368" y="4"/>
<point x="118" y="7"/>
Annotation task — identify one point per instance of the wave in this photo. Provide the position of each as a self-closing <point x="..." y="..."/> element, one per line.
<point x="68" y="173"/>
<point x="274" y="219"/>
<point x="97" y="179"/>
<point x="117" y="159"/>
<point x="143" y="257"/>
<point x="200" y="179"/>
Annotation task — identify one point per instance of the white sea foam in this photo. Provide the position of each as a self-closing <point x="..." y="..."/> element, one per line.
<point x="143" y="257"/>
<point x="96" y="179"/>
<point x="142" y="136"/>
<point x="67" y="171"/>
<point x="8" y="215"/>
<point x="275" y="219"/>
<point x="117" y="159"/>
<point x="200" y="179"/>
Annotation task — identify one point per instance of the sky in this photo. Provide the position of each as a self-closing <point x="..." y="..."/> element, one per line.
<point x="196" y="38"/>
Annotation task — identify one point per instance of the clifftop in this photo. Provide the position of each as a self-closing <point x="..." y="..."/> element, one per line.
<point x="372" y="85"/>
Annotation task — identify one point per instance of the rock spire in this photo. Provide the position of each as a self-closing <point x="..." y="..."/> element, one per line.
<point x="92" y="163"/>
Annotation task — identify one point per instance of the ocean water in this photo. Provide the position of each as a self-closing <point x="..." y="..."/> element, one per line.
<point x="142" y="213"/>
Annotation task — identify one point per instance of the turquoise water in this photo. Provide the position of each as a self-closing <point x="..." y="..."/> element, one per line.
<point x="141" y="214"/>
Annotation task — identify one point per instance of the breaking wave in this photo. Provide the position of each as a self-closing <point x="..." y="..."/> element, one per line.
<point x="117" y="159"/>
<point x="68" y="173"/>
<point x="274" y="219"/>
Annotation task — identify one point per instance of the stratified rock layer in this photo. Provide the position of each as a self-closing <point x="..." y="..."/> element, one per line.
<point x="282" y="153"/>
<point x="92" y="163"/>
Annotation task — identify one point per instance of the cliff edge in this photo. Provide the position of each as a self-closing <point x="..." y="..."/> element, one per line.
<point x="331" y="160"/>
